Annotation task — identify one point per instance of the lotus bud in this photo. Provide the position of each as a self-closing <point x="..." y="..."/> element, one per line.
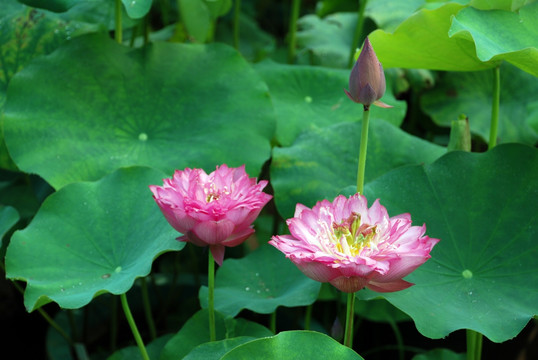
<point x="367" y="80"/>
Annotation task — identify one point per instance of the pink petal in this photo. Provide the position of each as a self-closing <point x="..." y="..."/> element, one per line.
<point x="349" y="284"/>
<point x="317" y="271"/>
<point x="218" y="253"/>
<point x="396" y="285"/>
<point x="238" y="237"/>
<point x="213" y="232"/>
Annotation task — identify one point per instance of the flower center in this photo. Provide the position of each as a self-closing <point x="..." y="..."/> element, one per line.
<point x="212" y="193"/>
<point x="351" y="236"/>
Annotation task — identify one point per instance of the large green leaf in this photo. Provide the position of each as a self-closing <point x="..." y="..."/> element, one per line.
<point x="52" y="5"/>
<point x="469" y="93"/>
<point x="154" y="349"/>
<point x="322" y="162"/>
<point x="261" y="282"/>
<point x="216" y="349"/>
<point x="24" y="34"/>
<point x="255" y="44"/>
<point x="301" y="103"/>
<point x="90" y="238"/>
<point x="483" y="271"/>
<point x="422" y="41"/>
<point x="501" y="35"/>
<point x="440" y="354"/>
<point x="101" y="106"/>
<point x="196" y="331"/>
<point x="399" y="11"/>
<point x="137" y="8"/>
<point x="326" y="41"/>
<point x="293" y="345"/>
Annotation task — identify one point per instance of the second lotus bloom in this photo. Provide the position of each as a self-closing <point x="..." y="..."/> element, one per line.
<point x="215" y="210"/>
<point x="352" y="246"/>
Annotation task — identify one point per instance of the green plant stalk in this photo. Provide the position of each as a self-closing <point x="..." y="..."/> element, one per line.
<point x="474" y="345"/>
<point x="113" y="323"/>
<point x="211" y="296"/>
<point x="362" y="151"/>
<point x="308" y="316"/>
<point x="495" y="107"/>
<point x="272" y="322"/>
<point x="295" y="7"/>
<point x="350" y="315"/>
<point x="399" y="339"/>
<point x="147" y="308"/>
<point x="43" y="313"/>
<point x="118" y="28"/>
<point x="358" y="32"/>
<point x="237" y="13"/>
<point x="133" y="327"/>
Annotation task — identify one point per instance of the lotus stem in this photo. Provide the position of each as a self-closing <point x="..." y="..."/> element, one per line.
<point x="474" y="345"/>
<point x="495" y="107"/>
<point x="113" y="322"/>
<point x="118" y="29"/>
<point x="211" y="296"/>
<point x="399" y="339"/>
<point x="350" y="315"/>
<point x="295" y="7"/>
<point x="133" y="327"/>
<point x="237" y="14"/>
<point x="362" y="151"/>
<point x="358" y="32"/>
<point x="308" y="316"/>
<point x="147" y="309"/>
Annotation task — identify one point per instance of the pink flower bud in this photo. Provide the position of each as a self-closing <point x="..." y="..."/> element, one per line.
<point x="367" y="79"/>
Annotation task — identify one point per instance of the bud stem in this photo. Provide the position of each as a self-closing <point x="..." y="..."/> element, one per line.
<point x="362" y="151"/>
<point x="495" y="107"/>
<point x="211" y="296"/>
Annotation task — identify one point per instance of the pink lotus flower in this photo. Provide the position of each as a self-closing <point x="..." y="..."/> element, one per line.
<point x="216" y="209"/>
<point x="352" y="246"/>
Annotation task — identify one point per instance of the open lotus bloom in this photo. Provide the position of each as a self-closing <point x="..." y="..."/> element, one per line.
<point x="367" y="79"/>
<point x="215" y="210"/>
<point x="352" y="246"/>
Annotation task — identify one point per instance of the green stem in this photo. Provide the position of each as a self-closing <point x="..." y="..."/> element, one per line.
<point x="350" y="315"/>
<point x="147" y="309"/>
<point x="295" y="7"/>
<point x="272" y="320"/>
<point x="211" y="296"/>
<point x="362" y="152"/>
<point x="55" y="326"/>
<point x="43" y="313"/>
<point x="118" y="28"/>
<point x="495" y="107"/>
<point x="474" y="345"/>
<point x="358" y="32"/>
<point x="399" y="339"/>
<point x="237" y="13"/>
<point x="113" y="322"/>
<point x="133" y="327"/>
<point x="308" y="317"/>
